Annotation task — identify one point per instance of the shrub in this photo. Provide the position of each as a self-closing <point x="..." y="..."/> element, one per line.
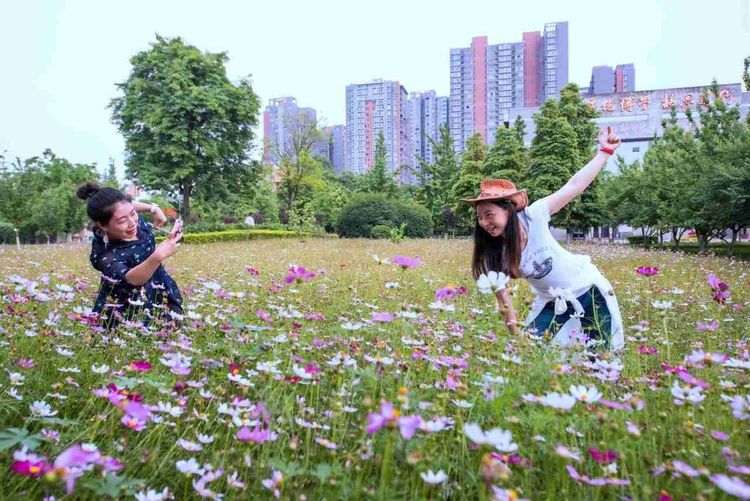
<point x="380" y="231"/>
<point x="238" y="236"/>
<point x="363" y="212"/>
<point x="417" y="218"/>
<point x="641" y="240"/>
<point x="7" y="233"/>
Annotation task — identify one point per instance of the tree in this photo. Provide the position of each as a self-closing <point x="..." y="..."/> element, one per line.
<point x="436" y="180"/>
<point x="725" y="167"/>
<point x="554" y="156"/>
<point x="378" y="179"/>
<point x="508" y="158"/>
<point x="184" y="122"/>
<point x="469" y="179"/>
<point x="564" y="142"/>
<point x="110" y="177"/>
<point x="38" y="195"/>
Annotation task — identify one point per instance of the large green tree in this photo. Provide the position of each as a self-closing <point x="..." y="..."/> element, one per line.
<point x="38" y="196"/>
<point x="436" y="180"/>
<point x="184" y="122"/>
<point x="378" y="179"/>
<point x="564" y="142"/>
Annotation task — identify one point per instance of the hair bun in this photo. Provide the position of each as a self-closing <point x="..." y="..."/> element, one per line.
<point x="88" y="190"/>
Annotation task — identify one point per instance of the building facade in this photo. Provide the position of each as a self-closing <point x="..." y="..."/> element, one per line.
<point x="637" y="117"/>
<point x="335" y="136"/>
<point x="605" y="80"/>
<point x="372" y="108"/>
<point x="487" y="81"/>
<point x="283" y="118"/>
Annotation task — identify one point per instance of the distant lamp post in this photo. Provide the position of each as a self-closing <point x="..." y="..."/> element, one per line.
<point x="18" y="240"/>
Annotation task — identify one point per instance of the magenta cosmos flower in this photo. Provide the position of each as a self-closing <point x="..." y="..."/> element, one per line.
<point x="299" y="274"/>
<point x="407" y="262"/>
<point x="140" y="366"/>
<point x="647" y="271"/>
<point x="720" y="289"/>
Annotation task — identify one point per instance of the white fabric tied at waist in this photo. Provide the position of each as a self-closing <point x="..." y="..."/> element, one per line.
<point x="562" y="296"/>
<point x="565" y="295"/>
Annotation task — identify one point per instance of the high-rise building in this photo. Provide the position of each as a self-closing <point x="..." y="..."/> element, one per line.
<point x="424" y="123"/>
<point x="602" y="80"/>
<point x="488" y="80"/>
<point x="372" y="108"/>
<point x="282" y="120"/>
<point x="605" y="80"/>
<point x="336" y="137"/>
<point x="625" y="78"/>
<point x="443" y="104"/>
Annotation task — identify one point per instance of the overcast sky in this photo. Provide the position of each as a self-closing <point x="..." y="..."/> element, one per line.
<point x="60" y="60"/>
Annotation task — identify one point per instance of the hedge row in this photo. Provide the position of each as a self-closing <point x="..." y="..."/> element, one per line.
<point x="239" y="235"/>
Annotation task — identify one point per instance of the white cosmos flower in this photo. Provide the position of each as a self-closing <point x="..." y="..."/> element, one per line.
<point x="492" y="282"/>
<point x="588" y="395"/>
<point x="40" y="408"/>
<point x="352" y="326"/>
<point x="190" y="467"/>
<point x="502" y="440"/>
<point x="558" y="401"/>
<point x="102" y="369"/>
<point x="662" y="305"/>
<point x="433" y="478"/>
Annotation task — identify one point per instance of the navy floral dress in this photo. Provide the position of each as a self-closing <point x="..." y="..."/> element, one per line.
<point x="119" y="300"/>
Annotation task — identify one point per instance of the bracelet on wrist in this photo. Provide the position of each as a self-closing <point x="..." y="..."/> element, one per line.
<point x="607" y="150"/>
<point x="153" y="208"/>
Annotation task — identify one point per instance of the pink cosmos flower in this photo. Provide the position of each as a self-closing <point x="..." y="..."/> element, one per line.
<point x="264" y="316"/>
<point x="407" y="262"/>
<point x="647" y="271"/>
<point x="273" y="483"/>
<point x="257" y="436"/>
<point x="449" y="292"/>
<point x="31" y="468"/>
<point x="707" y="327"/>
<point x="133" y="423"/>
<point x="26" y="363"/>
<point x="140" y="366"/>
<point x="382" y="317"/>
<point x="252" y="271"/>
<point x="604" y="457"/>
<point x="298" y="274"/>
<point x="720" y="289"/>
<point x="408" y="425"/>
<point x="594" y="481"/>
<point x="731" y="485"/>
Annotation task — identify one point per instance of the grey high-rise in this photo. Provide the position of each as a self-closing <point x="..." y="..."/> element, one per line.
<point x="486" y="81"/>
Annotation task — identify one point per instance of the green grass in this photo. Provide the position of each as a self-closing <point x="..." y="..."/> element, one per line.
<point x="422" y="379"/>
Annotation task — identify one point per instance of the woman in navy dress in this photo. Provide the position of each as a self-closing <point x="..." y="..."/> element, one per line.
<point x="134" y="285"/>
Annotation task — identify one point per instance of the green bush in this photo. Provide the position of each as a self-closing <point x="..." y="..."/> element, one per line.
<point x="238" y="235"/>
<point x="380" y="231"/>
<point x="417" y="218"/>
<point x="363" y="212"/>
<point x="7" y="233"/>
<point x="641" y="240"/>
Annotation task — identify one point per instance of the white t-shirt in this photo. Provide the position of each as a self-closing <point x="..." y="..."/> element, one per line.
<point x="544" y="262"/>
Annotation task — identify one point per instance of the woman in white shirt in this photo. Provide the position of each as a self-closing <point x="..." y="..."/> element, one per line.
<point x="573" y="298"/>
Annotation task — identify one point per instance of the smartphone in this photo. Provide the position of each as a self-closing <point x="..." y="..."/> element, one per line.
<point x="177" y="228"/>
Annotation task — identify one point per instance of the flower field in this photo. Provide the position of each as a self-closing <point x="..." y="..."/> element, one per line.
<point x="350" y="369"/>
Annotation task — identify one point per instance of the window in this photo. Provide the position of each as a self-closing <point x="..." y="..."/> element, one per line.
<point x="636" y="149"/>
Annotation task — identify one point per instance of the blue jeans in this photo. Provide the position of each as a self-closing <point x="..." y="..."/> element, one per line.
<point x="596" y="321"/>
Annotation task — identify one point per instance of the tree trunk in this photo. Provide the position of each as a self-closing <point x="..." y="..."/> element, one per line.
<point x="730" y="249"/>
<point x="568" y="233"/>
<point x="612" y="235"/>
<point x="187" y="189"/>
<point x="701" y="241"/>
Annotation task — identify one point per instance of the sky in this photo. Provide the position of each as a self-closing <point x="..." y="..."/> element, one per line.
<point x="60" y="60"/>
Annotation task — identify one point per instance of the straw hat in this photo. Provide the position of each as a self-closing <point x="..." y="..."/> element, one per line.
<point x="499" y="189"/>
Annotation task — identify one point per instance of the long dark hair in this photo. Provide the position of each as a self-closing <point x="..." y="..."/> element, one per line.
<point x="501" y="253"/>
<point x="102" y="201"/>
